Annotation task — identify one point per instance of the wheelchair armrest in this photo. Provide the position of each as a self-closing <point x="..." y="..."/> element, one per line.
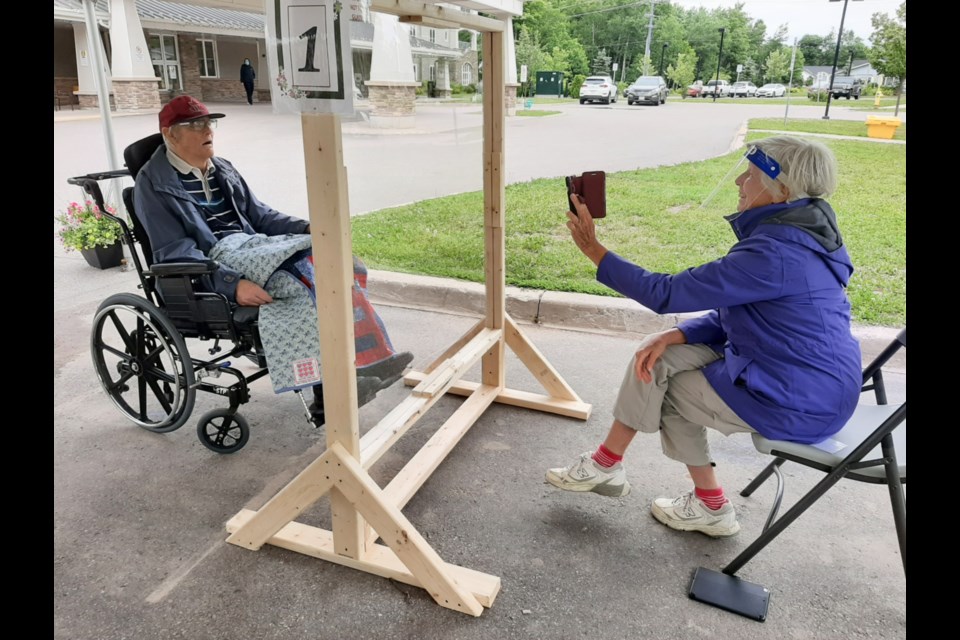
<point x="100" y="175"/>
<point x="184" y="268"/>
<point x="90" y="185"/>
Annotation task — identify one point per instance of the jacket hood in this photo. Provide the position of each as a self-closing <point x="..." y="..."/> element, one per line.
<point x="813" y="217"/>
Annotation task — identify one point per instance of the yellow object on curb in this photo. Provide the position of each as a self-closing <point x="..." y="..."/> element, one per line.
<point x="883" y="128"/>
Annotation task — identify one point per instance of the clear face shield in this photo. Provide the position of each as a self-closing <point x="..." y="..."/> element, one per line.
<point x="755" y="156"/>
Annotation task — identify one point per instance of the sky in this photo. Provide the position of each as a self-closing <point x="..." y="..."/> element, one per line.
<point x="814" y="17"/>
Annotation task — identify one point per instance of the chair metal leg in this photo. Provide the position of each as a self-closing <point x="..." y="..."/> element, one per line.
<point x="772" y="468"/>
<point x="761" y="477"/>
<point x="768" y="534"/>
<point x="818" y="490"/>
<point x="897" y="500"/>
<point x="776" y="500"/>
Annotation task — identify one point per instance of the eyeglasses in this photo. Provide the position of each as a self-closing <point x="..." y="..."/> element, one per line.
<point x="198" y="125"/>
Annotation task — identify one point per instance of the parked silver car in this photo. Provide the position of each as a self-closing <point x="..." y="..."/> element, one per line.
<point x="771" y="90"/>
<point x="598" y="89"/>
<point x="743" y="89"/>
<point x="649" y="89"/>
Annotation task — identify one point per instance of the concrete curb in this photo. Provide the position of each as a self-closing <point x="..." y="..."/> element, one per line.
<point x="559" y="310"/>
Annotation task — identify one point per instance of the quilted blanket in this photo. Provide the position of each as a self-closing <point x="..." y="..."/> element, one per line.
<point x="283" y="266"/>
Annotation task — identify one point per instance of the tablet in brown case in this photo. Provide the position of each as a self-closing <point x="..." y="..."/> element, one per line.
<point x="592" y="187"/>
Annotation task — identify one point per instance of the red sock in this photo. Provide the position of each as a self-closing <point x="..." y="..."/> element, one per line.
<point x="713" y="498"/>
<point x="606" y="458"/>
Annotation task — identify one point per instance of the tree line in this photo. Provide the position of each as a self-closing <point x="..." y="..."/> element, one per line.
<point x="643" y="37"/>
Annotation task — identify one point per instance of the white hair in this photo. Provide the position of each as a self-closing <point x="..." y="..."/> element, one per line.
<point x="807" y="168"/>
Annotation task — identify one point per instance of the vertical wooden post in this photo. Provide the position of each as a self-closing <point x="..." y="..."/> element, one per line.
<point x="333" y="268"/>
<point x="494" y="200"/>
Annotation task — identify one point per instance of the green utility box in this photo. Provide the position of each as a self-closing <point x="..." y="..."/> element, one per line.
<point x="549" y="83"/>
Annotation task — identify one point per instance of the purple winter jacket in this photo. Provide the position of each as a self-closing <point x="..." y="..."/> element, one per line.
<point x="780" y="316"/>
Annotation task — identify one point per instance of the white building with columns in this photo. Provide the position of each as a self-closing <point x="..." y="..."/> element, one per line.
<point x="156" y="49"/>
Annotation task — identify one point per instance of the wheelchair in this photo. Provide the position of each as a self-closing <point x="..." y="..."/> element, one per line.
<point x="138" y="343"/>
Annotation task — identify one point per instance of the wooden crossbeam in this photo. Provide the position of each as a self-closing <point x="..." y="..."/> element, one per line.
<point x="446" y="374"/>
<point x="447" y="15"/>
<point x="380" y="561"/>
<point x="517" y="398"/>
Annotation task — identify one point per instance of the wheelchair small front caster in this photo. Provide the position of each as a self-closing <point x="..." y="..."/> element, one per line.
<point x="223" y="431"/>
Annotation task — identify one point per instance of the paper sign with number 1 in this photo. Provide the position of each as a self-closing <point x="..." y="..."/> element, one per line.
<point x="308" y="48"/>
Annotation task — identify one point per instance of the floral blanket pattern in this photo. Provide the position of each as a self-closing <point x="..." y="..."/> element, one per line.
<point x="283" y="266"/>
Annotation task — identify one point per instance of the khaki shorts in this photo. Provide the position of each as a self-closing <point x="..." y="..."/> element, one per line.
<point x="679" y="403"/>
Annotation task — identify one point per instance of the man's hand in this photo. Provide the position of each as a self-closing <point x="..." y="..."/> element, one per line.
<point x="650" y="350"/>
<point x="250" y="294"/>
<point x="583" y="231"/>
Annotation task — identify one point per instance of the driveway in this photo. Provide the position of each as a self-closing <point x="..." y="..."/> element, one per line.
<point x="443" y="154"/>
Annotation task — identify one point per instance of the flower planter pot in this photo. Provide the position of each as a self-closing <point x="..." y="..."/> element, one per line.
<point x="104" y="257"/>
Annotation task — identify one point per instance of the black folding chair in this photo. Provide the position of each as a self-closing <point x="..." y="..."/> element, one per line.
<point x="871" y="447"/>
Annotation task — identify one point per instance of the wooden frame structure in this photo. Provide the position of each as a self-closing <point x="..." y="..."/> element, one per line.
<point x="361" y="511"/>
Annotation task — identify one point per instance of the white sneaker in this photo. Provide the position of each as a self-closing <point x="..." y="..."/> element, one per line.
<point x="587" y="475"/>
<point x="688" y="513"/>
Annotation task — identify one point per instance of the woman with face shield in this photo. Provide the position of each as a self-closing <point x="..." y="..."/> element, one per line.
<point x="773" y="353"/>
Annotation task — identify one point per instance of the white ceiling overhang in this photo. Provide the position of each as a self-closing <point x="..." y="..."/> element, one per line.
<point x="501" y="7"/>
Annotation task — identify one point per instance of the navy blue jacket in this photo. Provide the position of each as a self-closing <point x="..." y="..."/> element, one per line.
<point x="779" y="314"/>
<point x="177" y="227"/>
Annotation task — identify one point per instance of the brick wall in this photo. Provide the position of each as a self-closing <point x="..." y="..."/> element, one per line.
<point x="131" y="95"/>
<point x="190" y="67"/>
<point x="63" y="87"/>
<point x="393" y="98"/>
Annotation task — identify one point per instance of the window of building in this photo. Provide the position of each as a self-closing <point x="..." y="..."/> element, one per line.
<point x="207" y="58"/>
<point x="466" y="74"/>
<point x="166" y="60"/>
<point x="433" y="72"/>
<point x="433" y="35"/>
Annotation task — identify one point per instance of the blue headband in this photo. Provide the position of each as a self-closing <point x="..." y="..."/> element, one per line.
<point x="764" y="162"/>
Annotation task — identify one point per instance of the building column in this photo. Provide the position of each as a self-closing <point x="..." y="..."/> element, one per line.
<point x="134" y="83"/>
<point x="392" y="88"/>
<point x="443" y="89"/>
<point x="86" y="90"/>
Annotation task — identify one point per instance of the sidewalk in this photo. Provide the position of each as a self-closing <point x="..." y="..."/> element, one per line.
<point x="139" y="517"/>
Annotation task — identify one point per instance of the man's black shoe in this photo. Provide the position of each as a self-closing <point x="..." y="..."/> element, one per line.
<point x="367" y="388"/>
<point x="389" y="370"/>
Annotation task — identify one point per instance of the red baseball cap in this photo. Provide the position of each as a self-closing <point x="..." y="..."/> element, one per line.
<point x="184" y="109"/>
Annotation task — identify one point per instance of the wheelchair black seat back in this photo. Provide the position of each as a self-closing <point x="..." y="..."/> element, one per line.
<point x="138" y="342"/>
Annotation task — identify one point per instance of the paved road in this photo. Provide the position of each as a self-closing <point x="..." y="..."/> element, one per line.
<point x="443" y="157"/>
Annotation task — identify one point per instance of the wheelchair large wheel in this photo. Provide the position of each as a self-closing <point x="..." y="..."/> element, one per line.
<point x="223" y="431"/>
<point x="143" y="363"/>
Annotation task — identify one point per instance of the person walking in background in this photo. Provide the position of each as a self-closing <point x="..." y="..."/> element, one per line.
<point x="247" y="76"/>
<point x="774" y="354"/>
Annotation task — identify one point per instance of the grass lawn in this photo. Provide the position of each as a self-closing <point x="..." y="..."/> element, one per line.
<point x="653" y="218"/>
<point x="535" y="113"/>
<point x="835" y="127"/>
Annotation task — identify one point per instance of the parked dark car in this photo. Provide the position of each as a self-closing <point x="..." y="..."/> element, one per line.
<point x="847" y="87"/>
<point x="649" y="89"/>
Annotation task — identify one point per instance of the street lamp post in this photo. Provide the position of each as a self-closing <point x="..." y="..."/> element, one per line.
<point x="716" y="86"/>
<point x="663" y="51"/>
<point x="836" y="57"/>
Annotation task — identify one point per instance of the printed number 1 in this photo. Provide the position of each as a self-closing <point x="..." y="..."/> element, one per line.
<point x="311" y="36"/>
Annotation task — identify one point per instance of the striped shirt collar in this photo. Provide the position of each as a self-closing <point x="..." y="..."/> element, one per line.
<point x="184" y="167"/>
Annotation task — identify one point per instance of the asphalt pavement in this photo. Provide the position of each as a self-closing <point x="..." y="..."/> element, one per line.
<point x="139" y="517"/>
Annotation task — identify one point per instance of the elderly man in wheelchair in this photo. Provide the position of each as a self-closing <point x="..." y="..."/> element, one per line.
<point x="219" y="265"/>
